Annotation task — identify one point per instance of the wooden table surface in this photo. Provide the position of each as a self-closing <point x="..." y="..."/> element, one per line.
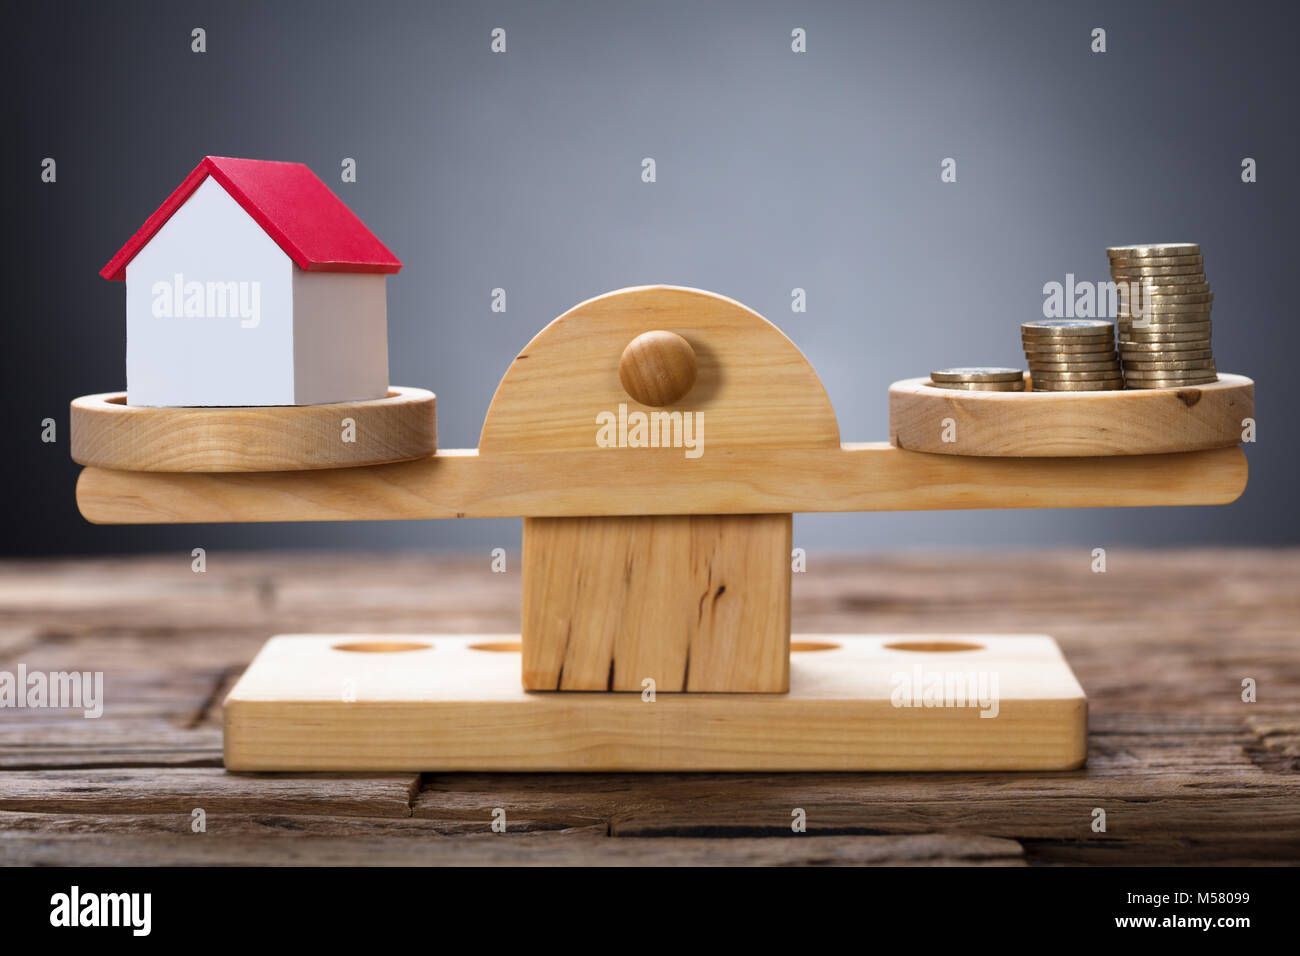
<point x="1185" y="771"/>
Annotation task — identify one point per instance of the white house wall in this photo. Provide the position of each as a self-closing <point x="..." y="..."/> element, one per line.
<point x="340" y="336"/>
<point x="209" y="359"/>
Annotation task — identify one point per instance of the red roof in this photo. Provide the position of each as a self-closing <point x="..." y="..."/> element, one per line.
<point x="291" y="204"/>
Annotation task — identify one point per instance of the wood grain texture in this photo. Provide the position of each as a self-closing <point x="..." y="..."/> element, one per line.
<point x="694" y="603"/>
<point x="213" y="789"/>
<point x="1186" y="771"/>
<point x="753" y="386"/>
<point x="464" y="484"/>
<point x="1051" y="424"/>
<point x="285" y="840"/>
<point x="456" y="706"/>
<point x="108" y="433"/>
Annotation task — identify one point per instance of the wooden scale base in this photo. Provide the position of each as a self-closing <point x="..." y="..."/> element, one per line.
<point x="665" y="560"/>
<point x="443" y="703"/>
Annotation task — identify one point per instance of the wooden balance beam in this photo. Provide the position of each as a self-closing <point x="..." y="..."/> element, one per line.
<point x="656" y="441"/>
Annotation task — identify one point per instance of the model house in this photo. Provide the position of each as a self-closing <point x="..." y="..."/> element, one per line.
<point x="253" y="284"/>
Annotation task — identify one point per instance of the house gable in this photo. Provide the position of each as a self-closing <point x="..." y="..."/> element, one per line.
<point x="210" y="309"/>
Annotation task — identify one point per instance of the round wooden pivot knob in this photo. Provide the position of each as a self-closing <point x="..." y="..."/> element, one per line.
<point x="657" y="368"/>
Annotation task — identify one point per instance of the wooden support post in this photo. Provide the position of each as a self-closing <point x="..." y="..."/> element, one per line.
<point x="692" y="602"/>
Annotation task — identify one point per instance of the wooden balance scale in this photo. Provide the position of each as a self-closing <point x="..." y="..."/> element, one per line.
<point x="656" y="581"/>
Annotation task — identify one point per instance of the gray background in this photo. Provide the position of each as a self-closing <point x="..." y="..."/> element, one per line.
<point x="775" y="170"/>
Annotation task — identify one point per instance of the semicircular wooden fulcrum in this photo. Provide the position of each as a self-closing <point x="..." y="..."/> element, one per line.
<point x="752" y="385"/>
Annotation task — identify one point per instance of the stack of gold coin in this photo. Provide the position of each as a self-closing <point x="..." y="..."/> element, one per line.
<point x="979" y="379"/>
<point x="1164" y="314"/>
<point x="1071" y="355"/>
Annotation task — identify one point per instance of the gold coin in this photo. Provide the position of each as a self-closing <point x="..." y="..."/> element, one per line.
<point x="1108" y="386"/>
<point x="1163" y="338"/>
<point x="1121" y="263"/>
<point x="1180" y="355"/>
<point x="1065" y="327"/>
<point x="1124" y="281"/>
<point x="1203" y="364"/>
<point x="1040" y="376"/>
<point x="1167" y="318"/>
<point x="1134" y="349"/>
<point x="1174" y="310"/>
<point x="1140" y="290"/>
<point x="1177" y="298"/>
<point x="1170" y="352"/>
<point x="1174" y="338"/>
<point x="1153" y="250"/>
<point x="1161" y="333"/>
<point x="1100" y="385"/>
<point x="1189" y="313"/>
<point x="1169" y="285"/>
<point x="1035" y="358"/>
<point x="1072" y="361"/>
<point x="1168" y="303"/>
<point x="977" y="373"/>
<point x="1169" y="366"/>
<point x="1129" y="288"/>
<point x="1052" y="348"/>
<point x="1161" y="272"/>
<point x="1139" y="328"/>
<point x="1100" y="353"/>
<point x="1095" y="343"/>
<point x="982" y="386"/>
<point x="1173" y="383"/>
<point x="1200" y="341"/>
<point x="1172" y="321"/>
<point x="1147" y="325"/>
<point x="1069" y="338"/>
<point x="1194" y="311"/>
<point x="1049" y="367"/>
<point x="1032" y="349"/>
<point x="1183" y="375"/>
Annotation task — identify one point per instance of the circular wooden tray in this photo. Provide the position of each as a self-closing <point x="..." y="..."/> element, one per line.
<point x="1065" y="424"/>
<point x="108" y="433"/>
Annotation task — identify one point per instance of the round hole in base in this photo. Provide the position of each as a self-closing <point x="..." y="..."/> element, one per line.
<point x="382" y="647"/>
<point x="798" y="646"/>
<point x="935" y="647"/>
<point x="501" y="647"/>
